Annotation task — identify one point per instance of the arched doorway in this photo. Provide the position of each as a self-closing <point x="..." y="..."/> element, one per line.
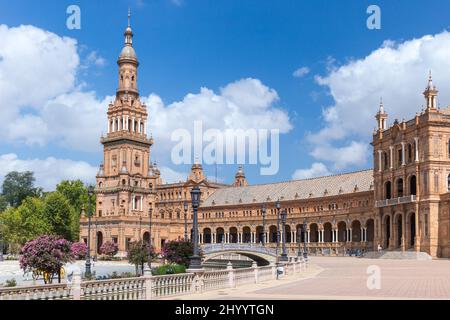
<point x="220" y="235"/>
<point x="356" y="231"/>
<point x="146" y="237"/>
<point x="387" y="231"/>
<point x="273" y="234"/>
<point x="314" y="232"/>
<point x="233" y="235"/>
<point x="99" y="241"/>
<point x="259" y="234"/>
<point x="207" y="235"/>
<point x="246" y="235"/>
<point x="412" y="229"/>
<point x="301" y="234"/>
<point x="399" y="230"/>
<point x="288" y="233"/>
<point x="342" y="231"/>
<point x="370" y="233"/>
<point x="327" y="232"/>
<point x="413" y="185"/>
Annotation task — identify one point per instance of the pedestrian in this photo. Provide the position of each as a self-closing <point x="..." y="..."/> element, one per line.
<point x="380" y="248"/>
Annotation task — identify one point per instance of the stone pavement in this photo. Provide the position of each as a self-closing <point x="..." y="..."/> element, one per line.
<point x="346" y="278"/>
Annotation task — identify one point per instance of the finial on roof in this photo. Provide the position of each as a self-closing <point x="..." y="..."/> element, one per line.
<point x="129" y="17"/>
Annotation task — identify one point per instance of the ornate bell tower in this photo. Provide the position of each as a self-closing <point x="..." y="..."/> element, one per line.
<point x="126" y="181"/>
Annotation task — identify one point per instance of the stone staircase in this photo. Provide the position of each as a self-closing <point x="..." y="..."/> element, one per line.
<point x="398" y="255"/>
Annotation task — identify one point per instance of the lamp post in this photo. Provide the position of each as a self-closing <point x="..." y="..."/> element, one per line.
<point x="278" y="206"/>
<point x="284" y="256"/>
<point x="299" y="239"/>
<point x="186" y="208"/>
<point x="96" y="241"/>
<point x="150" y="213"/>
<point x="305" y="251"/>
<point x="264" y="225"/>
<point x="88" y="272"/>
<point x="195" y="263"/>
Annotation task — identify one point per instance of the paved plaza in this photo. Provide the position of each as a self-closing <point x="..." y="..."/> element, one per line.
<point x="346" y="278"/>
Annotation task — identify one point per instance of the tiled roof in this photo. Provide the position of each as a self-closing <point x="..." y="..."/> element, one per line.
<point x="293" y="190"/>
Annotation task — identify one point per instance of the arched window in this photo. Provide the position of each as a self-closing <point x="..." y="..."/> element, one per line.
<point x="448" y="182"/>
<point x="388" y="190"/>
<point x="386" y="161"/>
<point x="400" y="188"/>
<point x="124" y="182"/>
<point x="413" y="185"/>
<point x="100" y="184"/>
<point x="410" y="153"/>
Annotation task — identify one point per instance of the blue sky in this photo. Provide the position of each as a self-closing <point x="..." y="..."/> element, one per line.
<point x="185" y="45"/>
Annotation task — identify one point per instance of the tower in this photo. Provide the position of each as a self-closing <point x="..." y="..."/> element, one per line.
<point x="126" y="180"/>
<point x="381" y="117"/>
<point x="240" y="180"/>
<point x="430" y="94"/>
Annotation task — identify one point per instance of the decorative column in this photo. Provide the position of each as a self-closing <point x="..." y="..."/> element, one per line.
<point x="403" y="154"/>
<point x="416" y="149"/>
<point x="294" y="237"/>
<point x="380" y="164"/>
<point x="109" y="126"/>
<point x="132" y="124"/>
<point x="391" y="157"/>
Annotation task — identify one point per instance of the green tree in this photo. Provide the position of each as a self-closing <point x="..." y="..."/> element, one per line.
<point x="3" y="203"/>
<point x="17" y="186"/>
<point x="77" y="195"/>
<point x="24" y="223"/>
<point x="178" y="251"/>
<point x="138" y="255"/>
<point x="59" y="214"/>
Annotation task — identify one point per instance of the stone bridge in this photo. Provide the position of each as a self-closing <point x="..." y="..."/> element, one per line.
<point x="261" y="254"/>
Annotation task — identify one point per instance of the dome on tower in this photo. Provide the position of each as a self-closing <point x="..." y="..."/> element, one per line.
<point x="128" y="53"/>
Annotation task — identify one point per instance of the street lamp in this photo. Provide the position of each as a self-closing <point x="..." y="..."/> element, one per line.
<point x="284" y="256"/>
<point x="264" y="225"/>
<point x="278" y="206"/>
<point x="88" y="255"/>
<point x="305" y="251"/>
<point x="195" y="263"/>
<point x="186" y="208"/>
<point x="150" y="213"/>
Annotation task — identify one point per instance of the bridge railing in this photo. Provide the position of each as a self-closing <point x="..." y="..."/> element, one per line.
<point x="211" y="248"/>
<point x="151" y="287"/>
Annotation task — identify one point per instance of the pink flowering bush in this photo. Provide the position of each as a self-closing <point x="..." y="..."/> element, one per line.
<point x="46" y="255"/>
<point x="109" y="249"/>
<point x="79" y="250"/>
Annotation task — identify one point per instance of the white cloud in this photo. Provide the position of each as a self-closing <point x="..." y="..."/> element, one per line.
<point x="354" y="154"/>
<point x="244" y="104"/>
<point x="95" y="59"/>
<point x="48" y="172"/>
<point x="301" y="72"/>
<point x="317" y="169"/>
<point x="397" y="72"/>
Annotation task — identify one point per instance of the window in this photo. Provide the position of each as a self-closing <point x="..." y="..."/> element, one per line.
<point x="114" y="239"/>
<point x="400" y="188"/>
<point x="386" y="161"/>
<point x="448" y="182"/>
<point x="388" y="190"/>
<point x="410" y="153"/>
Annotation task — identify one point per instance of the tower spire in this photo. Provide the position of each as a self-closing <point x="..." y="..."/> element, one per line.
<point x="381" y="117"/>
<point x="430" y="93"/>
<point x="129" y="17"/>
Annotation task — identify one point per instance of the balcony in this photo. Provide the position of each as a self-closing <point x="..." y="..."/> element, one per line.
<point x="395" y="201"/>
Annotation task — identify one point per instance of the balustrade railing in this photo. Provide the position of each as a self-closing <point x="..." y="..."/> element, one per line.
<point x="117" y="289"/>
<point x="171" y="285"/>
<point x="150" y="287"/>
<point x="44" y="292"/>
<point x="216" y="280"/>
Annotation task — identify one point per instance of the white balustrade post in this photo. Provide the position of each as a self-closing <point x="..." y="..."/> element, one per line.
<point x="274" y="270"/>
<point x="148" y="283"/>
<point x="255" y="269"/>
<point x="230" y="270"/>
<point x="76" y="284"/>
